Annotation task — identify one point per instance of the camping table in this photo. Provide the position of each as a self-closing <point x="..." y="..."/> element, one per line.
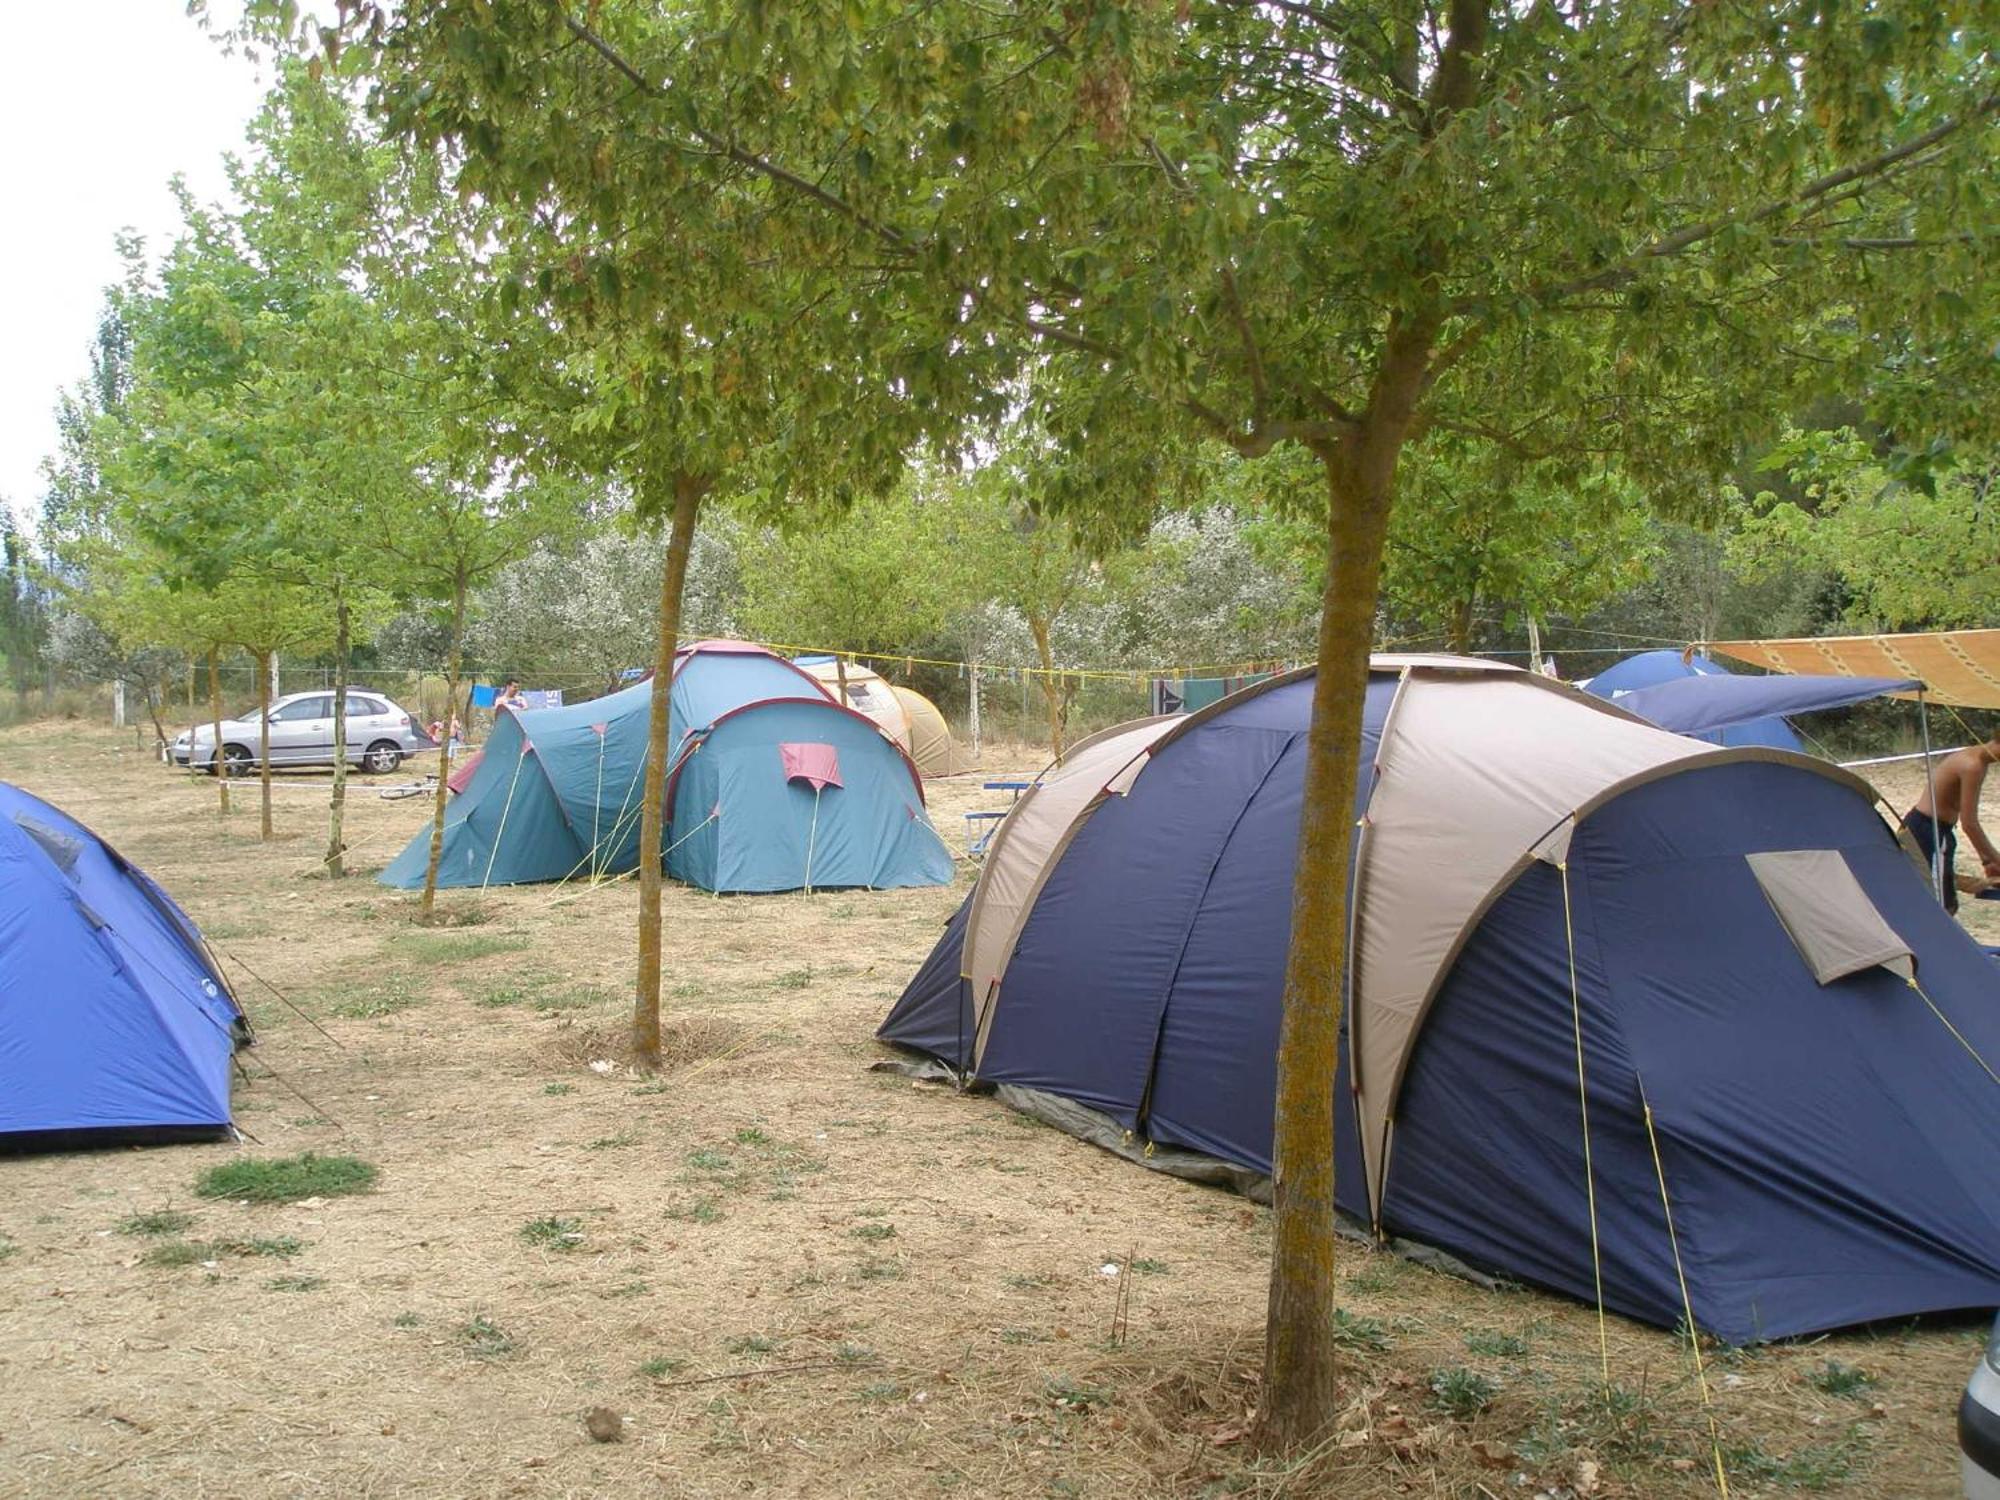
<point x="980" y="826"/>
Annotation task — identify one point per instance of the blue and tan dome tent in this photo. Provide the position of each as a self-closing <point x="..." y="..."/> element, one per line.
<point x="1554" y="902"/>
<point x="771" y="786"/>
<point x="115" y="1023"/>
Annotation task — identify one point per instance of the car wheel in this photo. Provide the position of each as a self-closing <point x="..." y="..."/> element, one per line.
<point x="235" y="760"/>
<point x="383" y="757"/>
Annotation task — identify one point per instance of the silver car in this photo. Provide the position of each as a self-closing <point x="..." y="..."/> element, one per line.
<point x="1979" y="1425"/>
<point x="379" y="735"/>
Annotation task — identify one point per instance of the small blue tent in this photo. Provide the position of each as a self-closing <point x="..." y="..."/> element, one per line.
<point x="115" y="1024"/>
<point x="1649" y="669"/>
<point x="771" y="786"/>
<point x="1554" y="902"/>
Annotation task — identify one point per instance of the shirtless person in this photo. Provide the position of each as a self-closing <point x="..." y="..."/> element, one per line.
<point x="1956" y="783"/>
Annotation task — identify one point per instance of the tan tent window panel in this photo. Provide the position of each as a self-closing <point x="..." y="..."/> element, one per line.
<point x="1829" y="918"/>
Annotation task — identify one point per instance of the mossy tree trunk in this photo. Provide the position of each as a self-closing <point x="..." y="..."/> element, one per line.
<point x="336" y="847"/>
<point x="216" y="763"/>
<point x="688" y="490"/>
<point x="265" y="675"/>
<point x="1301" y="1357"/>
<point x="454" y="664"/>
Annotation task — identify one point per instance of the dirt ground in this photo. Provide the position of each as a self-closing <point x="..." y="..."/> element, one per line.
<point x="789" y="1275"/>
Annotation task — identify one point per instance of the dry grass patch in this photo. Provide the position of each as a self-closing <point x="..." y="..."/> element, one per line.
<point x="685" y="1042"/>
<point x="969" y="1352"/>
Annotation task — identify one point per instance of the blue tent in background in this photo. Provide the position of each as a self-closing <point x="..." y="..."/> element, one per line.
<point x="1723" y="951"/>
<point x="1651" y="668"/>
<point x="1709" y="704"/>
<point x="772" y="786"/>
<point x="115" y="1024"/>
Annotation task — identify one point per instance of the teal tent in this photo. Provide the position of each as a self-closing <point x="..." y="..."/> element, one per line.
<point x="771" y="786"/>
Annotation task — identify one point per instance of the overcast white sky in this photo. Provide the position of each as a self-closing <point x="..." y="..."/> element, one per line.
<point x="101" y="102"/>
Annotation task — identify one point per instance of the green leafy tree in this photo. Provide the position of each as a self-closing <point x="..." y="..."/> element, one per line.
<point x="1909" y="554"/>
<point x="1634" y="228"/>
<point x="585" y="612"/>
<point x="675" y="354"/>
<point x="24" y="614"/>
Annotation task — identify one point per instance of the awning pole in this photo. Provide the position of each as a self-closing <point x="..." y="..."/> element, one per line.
<point x="1930" y="795"/>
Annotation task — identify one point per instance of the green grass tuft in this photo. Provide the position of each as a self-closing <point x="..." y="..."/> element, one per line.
<point x="1462" y="1393"/>
<point x="485" y="1339"/>
<point x="577" y="999"/>
<point x="170" y="1253"/>
<point x="879" y="1270"/>
<point x="1496" y="1345"/>
<point x="1817" y="1467"/>
<point x="873" y="1231"/>
<point x="160" y="1221"/>
<point x="1353" y="1332"/>
<point x="662" y="1365"/>
<point x="793" y="979"/>
<point x="456" y="947"/>
<point x="750" y="1343"/>
<point x="373" y="1003"/>
<point x="285" y="1179"/>
<point x="295" y="1283"/>
<point x="1067" y="1395"/>
<point x="552" y="1233"/>
<point x="511" y="994"/>
<point x="558" y="1089"/>
<point x="1837" y="1379"/>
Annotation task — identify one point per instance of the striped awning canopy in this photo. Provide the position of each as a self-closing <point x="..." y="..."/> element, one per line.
<point x="1960" y="667"/>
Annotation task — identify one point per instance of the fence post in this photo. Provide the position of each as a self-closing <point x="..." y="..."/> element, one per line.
<point x="973" y="713"/>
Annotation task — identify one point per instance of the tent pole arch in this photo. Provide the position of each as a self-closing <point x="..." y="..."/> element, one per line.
<point x="1352" y="982"/>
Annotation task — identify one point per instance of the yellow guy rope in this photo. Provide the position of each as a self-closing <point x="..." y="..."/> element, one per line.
<point x="1956" y="1033"/>
<point x="1687" y="1304"/>
<point x="501" y="832"/>
<point x="1583" y="1108"/>
<point x="596" y="805"/>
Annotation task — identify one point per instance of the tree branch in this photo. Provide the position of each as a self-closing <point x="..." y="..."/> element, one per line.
<point x="888" y="234"/>
<point x="1860" y="175"/>
<point x="1456" y="83"/>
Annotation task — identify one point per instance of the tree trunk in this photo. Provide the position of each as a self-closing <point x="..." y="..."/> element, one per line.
<point x="153" y="713"/>
<point x="1461" y="623"/>
<point x="840" y="676"/>
<point x="688" y="491"/>
<point x="216" y="763"/>
<point x="1052" y="694"/>
<point x="1301" y="1358"/>
<point x="453" y="661"/>
<point x="972" y="711"/>
<point x="264" y="695"/>
<point x="336" y="849"/>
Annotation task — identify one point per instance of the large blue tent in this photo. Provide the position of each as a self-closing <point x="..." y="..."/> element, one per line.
<point x="770" y="786"/>
<point x="115" y="1024"/>
<point x="1554" y="903"/>
<point x="1647" y="669"/>
<point x="1709" y="704"/>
